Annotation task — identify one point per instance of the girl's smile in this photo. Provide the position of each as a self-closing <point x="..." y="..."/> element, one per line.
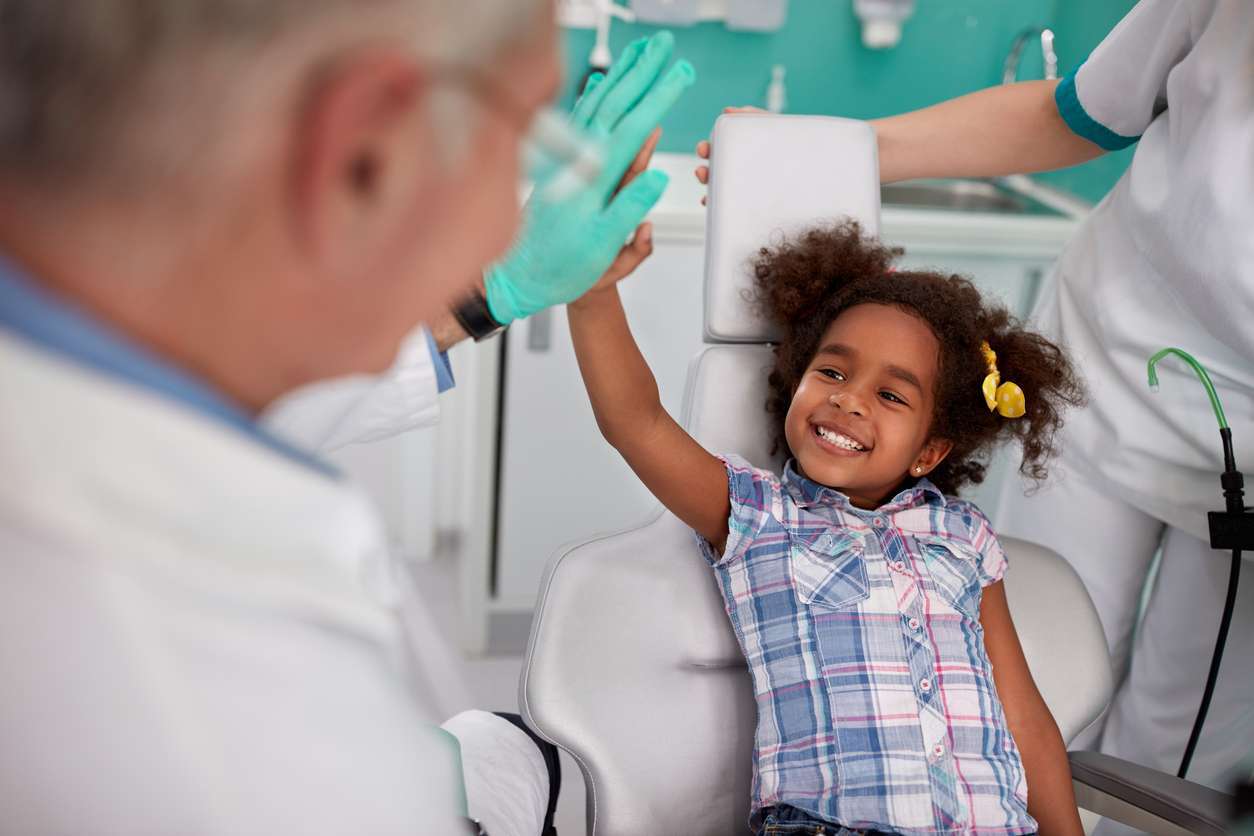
<point x="839" y="440"/>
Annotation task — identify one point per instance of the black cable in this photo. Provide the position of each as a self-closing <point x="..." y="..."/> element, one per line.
<point x="1230" y="459"/>
<point x="1233" y="577"/>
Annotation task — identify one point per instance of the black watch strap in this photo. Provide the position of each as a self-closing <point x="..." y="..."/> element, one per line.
<point x="473" y="314"/>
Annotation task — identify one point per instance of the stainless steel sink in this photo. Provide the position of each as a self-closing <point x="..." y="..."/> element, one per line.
<point x="1005" y="196"/>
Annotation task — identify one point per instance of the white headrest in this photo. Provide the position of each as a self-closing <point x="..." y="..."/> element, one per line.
<point x="772" y="176"/>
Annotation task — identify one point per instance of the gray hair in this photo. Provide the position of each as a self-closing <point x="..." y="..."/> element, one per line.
<point x="87" y="83"/>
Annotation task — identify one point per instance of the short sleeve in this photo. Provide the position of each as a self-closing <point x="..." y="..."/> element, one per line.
<point x="754" y="495"/>
<point x="1117" y="92"/>
<point x="983" y="541"/>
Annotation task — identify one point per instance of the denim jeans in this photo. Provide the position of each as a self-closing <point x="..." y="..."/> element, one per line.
<point x="789" y="821"/>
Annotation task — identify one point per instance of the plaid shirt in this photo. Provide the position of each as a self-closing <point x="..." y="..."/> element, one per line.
<point x="876" y="704"/>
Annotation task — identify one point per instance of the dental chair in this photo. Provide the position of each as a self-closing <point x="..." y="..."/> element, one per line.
<point x="632" y="666"/>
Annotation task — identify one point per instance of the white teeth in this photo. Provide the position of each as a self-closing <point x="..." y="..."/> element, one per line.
<point x="839" y="440"/>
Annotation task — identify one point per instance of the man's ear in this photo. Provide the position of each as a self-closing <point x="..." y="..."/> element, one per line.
<point x="933" y="453"/>
<point x="358" y="160"/>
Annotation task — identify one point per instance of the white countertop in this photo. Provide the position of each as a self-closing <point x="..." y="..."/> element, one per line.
<point x="679" y="216"/>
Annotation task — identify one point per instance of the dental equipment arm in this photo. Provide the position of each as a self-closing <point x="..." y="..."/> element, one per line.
<point x="1008" y="129"/>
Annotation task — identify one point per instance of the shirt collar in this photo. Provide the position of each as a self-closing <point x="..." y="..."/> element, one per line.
<point x="809" y="493"/>
<point x="37" y="315"/>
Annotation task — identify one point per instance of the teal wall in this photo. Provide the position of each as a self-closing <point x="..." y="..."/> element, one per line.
<point x="948" y="48"/>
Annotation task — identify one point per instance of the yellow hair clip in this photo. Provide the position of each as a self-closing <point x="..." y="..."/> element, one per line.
<point x="1007" y="398"/>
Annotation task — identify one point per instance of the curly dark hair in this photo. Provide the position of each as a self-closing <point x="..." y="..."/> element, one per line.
<point x="805" y="282"/>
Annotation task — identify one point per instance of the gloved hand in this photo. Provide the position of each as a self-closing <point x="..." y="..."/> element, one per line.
<point x="565" y="245"/>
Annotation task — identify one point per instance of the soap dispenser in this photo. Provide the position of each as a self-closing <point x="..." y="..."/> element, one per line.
<point x="776" y="93"/>
<point x="882" y="20"/>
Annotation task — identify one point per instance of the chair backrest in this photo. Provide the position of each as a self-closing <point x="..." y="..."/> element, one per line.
<point x="632" y="666"/>
<point x="771" y="176"/>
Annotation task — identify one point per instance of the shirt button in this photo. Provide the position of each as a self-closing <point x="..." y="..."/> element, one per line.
<point x="914" y="623"/>
<point x="899" y="566"/>
<point x="938" y="750"/>
<point x="878" y="522"/>
<point x="925" y="685"/>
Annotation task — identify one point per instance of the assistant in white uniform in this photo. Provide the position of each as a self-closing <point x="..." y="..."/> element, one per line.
<point x="1167" y="259"/>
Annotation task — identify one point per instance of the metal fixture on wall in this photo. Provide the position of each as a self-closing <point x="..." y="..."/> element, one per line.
<point x="1010" y="71"/>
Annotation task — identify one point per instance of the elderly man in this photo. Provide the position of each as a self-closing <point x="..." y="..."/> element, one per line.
<point x="206" y="206"/>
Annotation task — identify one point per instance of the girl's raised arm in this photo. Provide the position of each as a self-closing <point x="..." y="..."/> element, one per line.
<point x="687" y="479"/>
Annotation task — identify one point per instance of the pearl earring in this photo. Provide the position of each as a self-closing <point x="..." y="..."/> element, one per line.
<point x="918" y="469"/>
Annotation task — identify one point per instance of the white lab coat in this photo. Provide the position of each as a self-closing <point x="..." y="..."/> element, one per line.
<point x="197" y="634"/>
<point x="330" y="414"/>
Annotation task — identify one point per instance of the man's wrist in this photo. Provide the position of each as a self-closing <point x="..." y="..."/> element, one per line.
<point x="447" y="332"/>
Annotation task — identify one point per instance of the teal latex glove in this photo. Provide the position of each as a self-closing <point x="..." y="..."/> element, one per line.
<point x="565" y="245"/>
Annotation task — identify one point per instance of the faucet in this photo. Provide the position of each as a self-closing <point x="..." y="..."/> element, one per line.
<point x="1011" y="69"/>
<point x="1022" y="184"/>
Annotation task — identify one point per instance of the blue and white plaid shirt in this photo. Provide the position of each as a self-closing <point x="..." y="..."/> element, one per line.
<point x="876" y="703"/>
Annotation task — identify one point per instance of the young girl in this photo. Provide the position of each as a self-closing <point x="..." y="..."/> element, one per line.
<point x="892" y="692"/>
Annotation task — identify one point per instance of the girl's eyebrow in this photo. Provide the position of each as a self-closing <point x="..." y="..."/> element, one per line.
<point x="904" y="375"/>
<point x="838" y="349"/>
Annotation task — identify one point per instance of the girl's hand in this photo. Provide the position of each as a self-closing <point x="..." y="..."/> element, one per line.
<point x="629" y="258"/>
<point x="703" y="148"/>
<point x="640" y="246"/>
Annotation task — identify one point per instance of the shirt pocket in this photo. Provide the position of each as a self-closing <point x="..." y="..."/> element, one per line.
<point x="828" y="569"/>
<point x="954" y="570"/>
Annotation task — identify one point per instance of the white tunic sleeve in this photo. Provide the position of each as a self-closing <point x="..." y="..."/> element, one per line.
<point x="330" y="414"/>
<point x="1113" y="96"/>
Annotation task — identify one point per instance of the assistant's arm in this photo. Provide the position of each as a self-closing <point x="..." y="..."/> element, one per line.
<point x="1011" y="129"/>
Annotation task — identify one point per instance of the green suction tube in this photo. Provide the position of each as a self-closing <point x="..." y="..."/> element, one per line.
<point x="1225" y="432"/>
<point x="1201" y="374"/>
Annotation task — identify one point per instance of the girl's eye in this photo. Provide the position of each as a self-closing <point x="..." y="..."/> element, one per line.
<point x="832" y="373"/>
<point x="890" y="396"/>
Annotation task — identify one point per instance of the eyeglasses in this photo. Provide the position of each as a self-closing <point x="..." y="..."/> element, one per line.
<point x="558" y="159"/>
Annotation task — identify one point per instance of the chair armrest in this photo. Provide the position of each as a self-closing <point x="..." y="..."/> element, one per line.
<point x="1147" y="798"/>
